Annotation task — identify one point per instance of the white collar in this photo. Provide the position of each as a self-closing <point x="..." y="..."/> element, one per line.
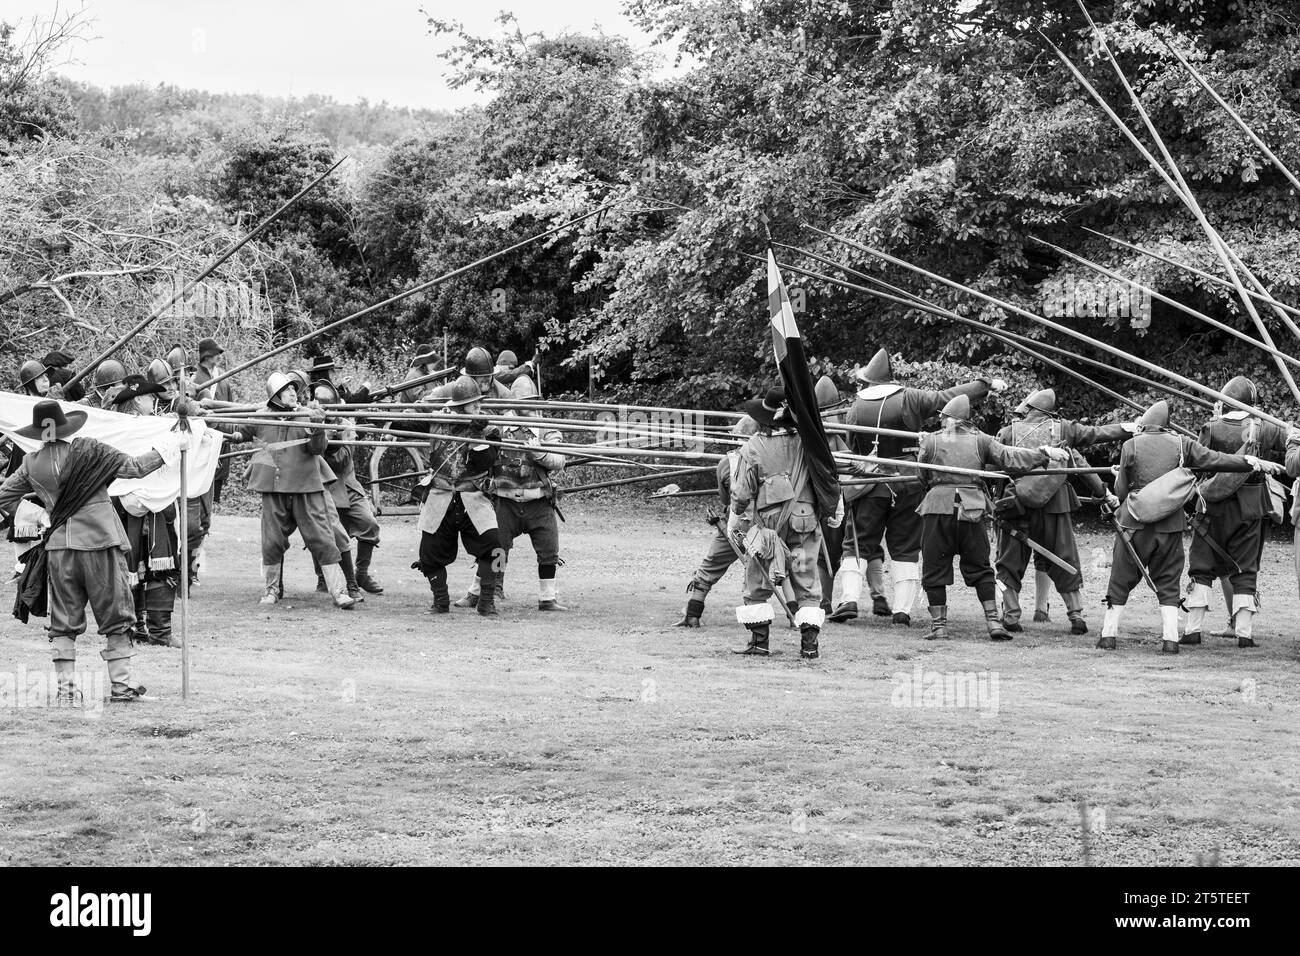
<point x="874" y="392"/>
<point x="1235" y="416"/>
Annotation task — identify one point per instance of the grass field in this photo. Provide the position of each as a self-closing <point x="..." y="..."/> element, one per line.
<point x="389" y="736"/>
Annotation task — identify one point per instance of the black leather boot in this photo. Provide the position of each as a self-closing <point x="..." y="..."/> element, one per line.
<point x="438" y="585"/>
<point x="938" y="623"/>
<point x="808" y="642"/>
<point x="757" y="646"/>
<point x="487" y="605"/>
<point x="350" y="576"/>
<point x="321" y="586"/>
<point x="365" y="551"/>
<point x="845" y="612"/>
<point x="694" y="611"/>
<point x="994" y="621"/>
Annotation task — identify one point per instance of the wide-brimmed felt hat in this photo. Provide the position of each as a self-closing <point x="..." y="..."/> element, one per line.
<point x="49" y="414"/>
<point x="133" y="386"/>
<point x="320" y="363"/>
<point x="209" y="347"/>
<point x="769" y="410"/>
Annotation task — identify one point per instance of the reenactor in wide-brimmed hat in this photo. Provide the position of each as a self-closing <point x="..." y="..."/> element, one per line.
<point x="784" y="538"/>
<point x="1040" y="508"/>
<point x="58" y="367"/>
<point x="956" y="507"/>
<point x="887" y="510"/>
<point x="83" y="540"/>
<point x="1153" y="485"/>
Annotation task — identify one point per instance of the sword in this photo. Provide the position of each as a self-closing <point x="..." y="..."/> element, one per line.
<point x="1200" y="529"/>
<point x="782" y="594"/>
<point x="1034" y="546"/>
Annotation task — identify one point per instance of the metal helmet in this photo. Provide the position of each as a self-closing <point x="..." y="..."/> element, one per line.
<point x="30" y="371"/>
<point x="276" y="383"/>
<point x="1242" y="390"/>
<point x="523" y="388"/>
<point x="507" y="359"/>
<point x="826" y="391"/>
<point x="1157" y="416"/>
<point x="299" y="379"/>
<point x="745" y="427"/>
<point x="478" y="362"/>
<point x="176" y="358"/>
<point x="1044" y="400"/>
<point x="957" y="409"/>
<point x="331" y="393"/>
<point x="879" y="371"/>
<point x="160" y="372"/>
<point x="109" y="372"/>
<point x="464" y="391"/>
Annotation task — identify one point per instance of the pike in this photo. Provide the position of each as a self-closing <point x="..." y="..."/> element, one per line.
<point x="1217" y="280"/>
<point x="1010" y="338"/>
<point x="407" y="293"/>
<point x="1058" y="327"/>
<point x="1221" y="326"/>
<point x="207" y="271"/>
<point x="1180" y="189"/>
<point x="783" y="593"/>
<point x="1204" y="84"/>
<point x="1125" y="536"/>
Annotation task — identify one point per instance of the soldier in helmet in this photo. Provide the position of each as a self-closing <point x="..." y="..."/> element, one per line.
<point x="1041" y="506"/>
<point x="786" y="531"/>
<point x="107" y="379"/>
<point x="524" y="494"/>
<point x="506" y="361"/>
<point x="355" y="511"/>
<point x="424" y="362"/>
<point x="956" y="506"/>
<point x="1231" y="509"/>
<point x="57" y="367"/>
<point x="33" y="378"/>
<point x="720" y="553"/>
<point x="288" y="473"/>
<point x="889" y="510"/>
<point x="458" y="503"/>
<point x="478" y="365"/>
<point x="1150" y="521"/>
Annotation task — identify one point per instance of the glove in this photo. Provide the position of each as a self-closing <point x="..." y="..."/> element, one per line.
<point x="1131" y="427"/>
<point x="1054" y="454"/>
<point x="1258" y="464"/>
<point x="834" y="521"/>
<point x="998" y="385"/>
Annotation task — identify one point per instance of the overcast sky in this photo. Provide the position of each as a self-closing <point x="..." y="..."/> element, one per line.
<point x="348" y="49"/>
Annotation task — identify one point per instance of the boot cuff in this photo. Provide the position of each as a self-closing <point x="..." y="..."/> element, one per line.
<point x="754" y="613"/>
<point x="810" y="617"/>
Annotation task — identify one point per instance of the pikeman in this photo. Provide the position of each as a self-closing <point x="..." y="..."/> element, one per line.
<point x="210" y="352"/>
<point x="152" y="561"/>
<point x="85" y="546"/>
<point x="1039" y="508"/>
<point x="956" y="506"/>
<point x="524" y="495"/>
<point x="422" y="364"/>
<point x="785" y="536"/>
<point x="1231" y="510"/>
<point x="888" y="510"/>
<point x="1153" y="484"/>
<point x="720" y="553"/>
<point x="108" y="378"/>
<point x="478" y="366"/>
<point x="34" y="378"/>
<point x="457" y="501"/>
<point x="288" y="473"/>
<point x="355" y="511"/>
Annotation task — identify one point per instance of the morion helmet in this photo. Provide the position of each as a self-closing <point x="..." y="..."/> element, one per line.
<point x="30" y="371"/>
<point x="1242" y="390"/>
<point x="826" y="392"/>
<point x="957" y="409"/>
<point x="478" y="362"/>
<point x="1044" y="400"/>
<point x="1157" y="416"/>
<point x="109" y="372"/>
<point x="276" y="383"/>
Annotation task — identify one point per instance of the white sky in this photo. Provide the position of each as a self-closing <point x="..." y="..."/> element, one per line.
<point x="348" y="49"/>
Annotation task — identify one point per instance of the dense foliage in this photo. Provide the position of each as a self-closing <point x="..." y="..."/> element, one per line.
<point x="945" y="133"/>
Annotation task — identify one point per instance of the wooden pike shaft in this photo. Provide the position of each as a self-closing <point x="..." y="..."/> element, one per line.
<point x="1217" y="280"/>
<point x="999" y="334"/>
<point x="1221" y="326"/>
<point x="1058" y="327"/>
<point x="407" y="293"/>
<point x="1021" y="342"/>
<point x="207" y="271"/>
<point x="1179" y="187"/>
